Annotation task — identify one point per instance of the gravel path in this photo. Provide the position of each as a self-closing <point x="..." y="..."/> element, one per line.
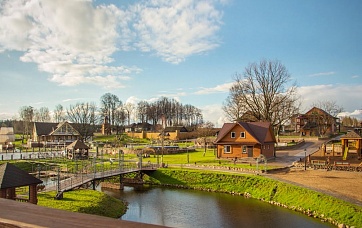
<point x="340" y="184"/>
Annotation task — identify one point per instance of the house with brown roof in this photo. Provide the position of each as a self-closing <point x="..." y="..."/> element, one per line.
<point x="53" y="134"/>
<point x="245" y="139"/>
<point x="11" y="177"/>
<point x="316" y="122"/>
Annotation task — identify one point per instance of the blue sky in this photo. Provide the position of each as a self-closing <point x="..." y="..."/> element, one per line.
<point x="65" y="51"/>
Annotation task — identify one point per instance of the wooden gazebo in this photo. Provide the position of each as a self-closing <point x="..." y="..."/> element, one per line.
<point x="351" y="143"/>
<point x="11" y="177"/>
<point x="77" y="150"/>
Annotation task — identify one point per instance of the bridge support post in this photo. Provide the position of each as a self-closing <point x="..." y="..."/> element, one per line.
<point x="121" y="185"/>
<point x="94" y="184"/>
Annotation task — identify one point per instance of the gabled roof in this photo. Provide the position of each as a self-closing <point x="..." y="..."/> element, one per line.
<point x="320" y="111"/>
<point x="43" y="128"/>
<point x="258" y="130"/>
<point x="6" y="131"/>
<point x="226" y="128"/>
<point x="12" y="177"/>
<point x="77" y="144"/>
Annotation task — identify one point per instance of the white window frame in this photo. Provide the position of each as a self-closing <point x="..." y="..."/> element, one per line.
<point x="232" y="134"/>
<point x="225" y="151"/>
<point x="243" y="134"/>
<point x="244" y="149"/>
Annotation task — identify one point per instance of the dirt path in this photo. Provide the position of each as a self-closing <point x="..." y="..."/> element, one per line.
<point x="340" y="184"/>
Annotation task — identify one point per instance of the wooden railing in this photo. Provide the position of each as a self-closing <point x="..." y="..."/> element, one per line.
<point x="78" y="180"/>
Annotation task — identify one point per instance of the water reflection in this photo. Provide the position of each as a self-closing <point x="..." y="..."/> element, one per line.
<point x="188" y="208"/>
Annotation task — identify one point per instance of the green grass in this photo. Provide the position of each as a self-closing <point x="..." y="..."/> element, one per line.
<point x="293" y="197"/>
<point x="84" y="201"/>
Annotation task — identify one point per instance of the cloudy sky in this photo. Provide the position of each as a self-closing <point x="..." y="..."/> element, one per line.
<point x="66" y="51"/>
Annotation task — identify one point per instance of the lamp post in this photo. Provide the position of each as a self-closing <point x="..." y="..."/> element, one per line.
<point x="305" y="159"/>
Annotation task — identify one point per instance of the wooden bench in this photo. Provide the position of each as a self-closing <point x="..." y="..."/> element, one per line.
<point x="319" y="162"/>
<point x="341" y="163"/>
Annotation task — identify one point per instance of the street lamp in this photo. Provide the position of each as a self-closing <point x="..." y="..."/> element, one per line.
<point x="305" y="159"/>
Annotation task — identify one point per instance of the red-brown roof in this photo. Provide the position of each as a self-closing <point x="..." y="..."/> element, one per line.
<point x="259" y="130"/>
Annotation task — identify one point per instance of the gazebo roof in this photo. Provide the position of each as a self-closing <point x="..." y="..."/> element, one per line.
<point x="77" y="144"/>
<point x="351" y="135"/>
<point x="12" y="177"/>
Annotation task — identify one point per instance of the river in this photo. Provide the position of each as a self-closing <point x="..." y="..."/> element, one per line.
<point x="190" y="208"/>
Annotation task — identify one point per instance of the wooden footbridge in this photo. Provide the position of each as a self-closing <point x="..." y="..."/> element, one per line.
<point x="82" y="179"/>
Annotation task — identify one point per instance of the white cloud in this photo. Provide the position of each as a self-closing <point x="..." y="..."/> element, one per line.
<point x="322" y="74"/>
<point x="72" y="99"/>
<point x="176" y="29"/>
<point x="214" y="114"/>
<point x="346" y="96"/>
<point x="74" y="41"/>
<point x="217" y="89"/>
<point x="356" y="114"/>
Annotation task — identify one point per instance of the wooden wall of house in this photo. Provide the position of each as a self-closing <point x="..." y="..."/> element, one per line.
<point x="156" y="135"/>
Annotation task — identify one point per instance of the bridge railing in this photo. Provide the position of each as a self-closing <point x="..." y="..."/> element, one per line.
<point x="78" y="179"/>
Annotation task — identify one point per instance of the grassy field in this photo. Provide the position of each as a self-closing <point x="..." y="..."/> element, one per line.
<point x="84" y="201"/>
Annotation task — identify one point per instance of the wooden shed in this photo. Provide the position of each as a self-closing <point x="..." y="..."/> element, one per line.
<point x="11" y="177"/>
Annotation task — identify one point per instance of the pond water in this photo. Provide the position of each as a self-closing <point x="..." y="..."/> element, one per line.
<point x="191" y="208"/>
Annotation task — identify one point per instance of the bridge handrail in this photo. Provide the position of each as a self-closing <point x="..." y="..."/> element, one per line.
<point x="76" y="180"/>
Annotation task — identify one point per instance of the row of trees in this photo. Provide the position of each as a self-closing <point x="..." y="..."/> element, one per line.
<point x="348" y="121"/>
<point x="165" y="111"/>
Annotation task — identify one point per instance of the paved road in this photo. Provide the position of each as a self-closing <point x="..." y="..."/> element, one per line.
<point x="287" y="157"/>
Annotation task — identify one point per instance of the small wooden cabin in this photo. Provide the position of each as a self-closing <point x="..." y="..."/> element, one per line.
<point x="245" y="139"/>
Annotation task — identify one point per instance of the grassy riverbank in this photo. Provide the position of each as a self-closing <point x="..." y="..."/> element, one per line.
<point x="310" y="202"/>
<point x="85" y="201"/>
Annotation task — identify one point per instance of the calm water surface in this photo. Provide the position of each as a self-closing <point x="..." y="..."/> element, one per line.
<point x="189" y="208"/>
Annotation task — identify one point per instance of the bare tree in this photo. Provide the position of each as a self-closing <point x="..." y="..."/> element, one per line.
<point x="142" y="107"/>
<point x="110" y="103"/>
<point x="204" y="132"/>
<point x="83" y="115"/>
<point x="129" y="109"/>
<point x="26" y="114"/>
<point x="59" y="114"/>
<point x="42" y="115"/>
<point x="261" y="93"/>
<point x="329" y="107"/>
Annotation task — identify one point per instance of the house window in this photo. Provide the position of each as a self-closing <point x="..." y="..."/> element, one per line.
<point x="233" y="134"/>
<point x="268" y="147"/>
<point x="227" y="149"/>
<point x="242" y="134"/>
<point x="244" y="149"/>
